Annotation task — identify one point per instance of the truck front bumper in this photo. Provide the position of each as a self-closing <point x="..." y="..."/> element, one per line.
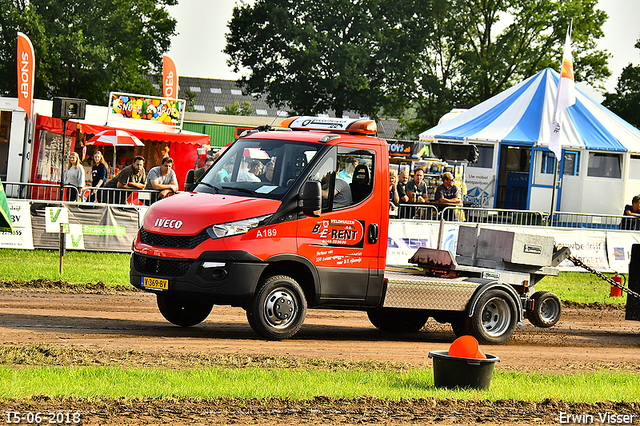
<point x="228" y="277"/>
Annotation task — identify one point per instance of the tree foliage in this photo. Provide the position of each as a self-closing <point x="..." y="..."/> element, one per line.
<point x="340" y="55"/>
<point x="237" y="108"/>
<point x="481" y="48"/>
<point x="413" y="59"/>
<point x="626" y="98"/>
<point x="86" y="48"/>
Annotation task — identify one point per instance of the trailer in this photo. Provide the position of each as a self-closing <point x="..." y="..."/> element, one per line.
<point x="485" y="290"/>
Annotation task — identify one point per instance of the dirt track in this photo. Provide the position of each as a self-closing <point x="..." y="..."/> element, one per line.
<point x="584" y="340"/>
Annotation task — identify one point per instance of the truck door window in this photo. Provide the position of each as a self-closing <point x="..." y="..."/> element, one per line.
<point x="356" y="169"/>
<point x="346" y="178"/>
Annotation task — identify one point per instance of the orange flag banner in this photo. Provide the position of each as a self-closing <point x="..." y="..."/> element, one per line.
<point x="26" y="73"/>
<point x="169" y="77"/>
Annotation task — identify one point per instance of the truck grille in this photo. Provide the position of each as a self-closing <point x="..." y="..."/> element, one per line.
<point x="163" y="267"/>
<point x="172" y="241"/>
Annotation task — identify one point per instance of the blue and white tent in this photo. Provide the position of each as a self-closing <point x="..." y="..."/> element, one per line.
<point x="601" y="151"/>
<point x="522" y="114"/>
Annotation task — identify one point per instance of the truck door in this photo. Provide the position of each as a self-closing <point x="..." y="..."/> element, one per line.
<point x="338" y="241"/>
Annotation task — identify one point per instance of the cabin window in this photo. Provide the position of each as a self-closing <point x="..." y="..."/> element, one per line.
<point x="634" y="167"/>
<point x="571" y="163"/>
<point x="547" y="163"/>
<point x="485" y="159"/>
<point x="604" y="165"/>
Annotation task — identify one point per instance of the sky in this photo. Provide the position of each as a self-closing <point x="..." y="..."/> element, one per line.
<point x="202" y="24"/>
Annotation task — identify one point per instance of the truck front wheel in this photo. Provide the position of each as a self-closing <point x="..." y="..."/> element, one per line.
<point x="183" y="312"/>
<point x="494" y="319"/>
<point x="546" y="309"/>
<point x="278" y="309"/>
<point x="398" y="320"/>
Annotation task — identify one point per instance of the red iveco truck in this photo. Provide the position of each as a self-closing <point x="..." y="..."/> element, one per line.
<point x="312" y="233"/>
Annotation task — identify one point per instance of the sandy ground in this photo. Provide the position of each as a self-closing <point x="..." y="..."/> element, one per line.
<point x="584" y="340"/>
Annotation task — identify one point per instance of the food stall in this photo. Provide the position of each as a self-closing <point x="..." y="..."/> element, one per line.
<point x="155" y="121"/>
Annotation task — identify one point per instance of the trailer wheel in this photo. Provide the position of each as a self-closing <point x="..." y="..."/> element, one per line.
<point x="398" y="320"/>
<point x="494" y="319"/>
<point x="278" y="309"/>
<point x="183" y="312"/>
<point x="546" y="309"/>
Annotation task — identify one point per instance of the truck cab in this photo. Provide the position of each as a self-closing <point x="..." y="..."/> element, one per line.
<point x="284" y="221"/>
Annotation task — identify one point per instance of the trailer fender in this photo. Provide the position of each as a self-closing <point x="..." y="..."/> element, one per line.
<point x="486" y="285"/>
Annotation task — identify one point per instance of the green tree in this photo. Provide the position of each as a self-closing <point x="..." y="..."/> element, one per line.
<point x="481" y="48"/>
<point x="237" y="108"/>
<point x="626" y="98"/>
<point x="340" y="55"/>
<point x="86" y="48"/>
<point x="190" y="97"/>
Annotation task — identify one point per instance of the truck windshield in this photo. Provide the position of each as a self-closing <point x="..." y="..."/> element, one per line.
<point x="263" y="168"/>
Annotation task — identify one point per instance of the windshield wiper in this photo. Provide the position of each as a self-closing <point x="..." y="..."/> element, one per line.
<point x="215" y="188"/>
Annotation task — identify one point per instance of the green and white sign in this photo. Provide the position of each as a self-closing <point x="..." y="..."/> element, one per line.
<point x="54" y="217"/>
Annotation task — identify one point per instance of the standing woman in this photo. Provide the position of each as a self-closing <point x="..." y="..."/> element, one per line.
<point x="74" y="176"/>
<point x="98" y="174"/>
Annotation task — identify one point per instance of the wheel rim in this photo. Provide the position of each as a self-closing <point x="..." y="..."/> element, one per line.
<point x="496" y="316"/>
<point x="549" y="310"/>
<point x="280" y="308"/>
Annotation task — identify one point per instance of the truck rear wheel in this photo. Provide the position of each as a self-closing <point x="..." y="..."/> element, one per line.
<point x="494" y="319"/>
<point x="398" y="320"/>
<point x="278" y="309"/>
<point x="183" y="312"/>
<point x="546" y="309"/>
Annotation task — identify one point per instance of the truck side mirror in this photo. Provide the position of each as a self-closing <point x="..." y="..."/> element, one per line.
<point x="311" y="198"/>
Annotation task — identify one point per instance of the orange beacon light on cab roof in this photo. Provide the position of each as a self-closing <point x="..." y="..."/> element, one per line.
<point x="335" y="125"/>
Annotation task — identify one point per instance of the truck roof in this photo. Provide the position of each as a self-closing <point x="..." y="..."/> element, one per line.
<point x="316" y="137"/>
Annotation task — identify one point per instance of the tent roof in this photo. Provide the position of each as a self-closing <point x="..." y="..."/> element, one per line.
<point x="522" y="114"/>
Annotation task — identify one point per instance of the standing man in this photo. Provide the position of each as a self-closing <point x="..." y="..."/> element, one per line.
<point x="162" y="178"/>
<point x="448" y="193"/>
<point x="633" y="209"/>
<point x="417" y="188"/>
<point x="403" y="177"/>
<point x="350" y="165"/>
<point x="131" y="177"/>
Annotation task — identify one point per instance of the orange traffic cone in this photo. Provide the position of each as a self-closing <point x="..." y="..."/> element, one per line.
<point x="466" y="347"/>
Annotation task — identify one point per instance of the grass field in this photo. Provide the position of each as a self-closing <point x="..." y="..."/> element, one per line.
<point x="214" y="382"/>
<point x="112" y="269"/>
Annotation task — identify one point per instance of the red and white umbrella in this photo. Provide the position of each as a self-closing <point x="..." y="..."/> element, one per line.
<point x="114" y="138"/>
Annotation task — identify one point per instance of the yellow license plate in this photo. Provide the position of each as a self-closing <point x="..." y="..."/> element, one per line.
<point x="158" y="283"/>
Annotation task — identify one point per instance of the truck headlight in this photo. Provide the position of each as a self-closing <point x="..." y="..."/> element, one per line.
<point x="235" y="228"/>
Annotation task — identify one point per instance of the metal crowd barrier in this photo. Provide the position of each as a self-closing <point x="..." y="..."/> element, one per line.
<point x="470" y="214"/>
<point x="496" y="216"/>
<point x="416" y="211"/>
<point x="50" y="192"/>
<point x="594" y="221"/>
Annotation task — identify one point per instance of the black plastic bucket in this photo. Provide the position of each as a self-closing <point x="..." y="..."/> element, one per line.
<point x="453" y="372"/>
